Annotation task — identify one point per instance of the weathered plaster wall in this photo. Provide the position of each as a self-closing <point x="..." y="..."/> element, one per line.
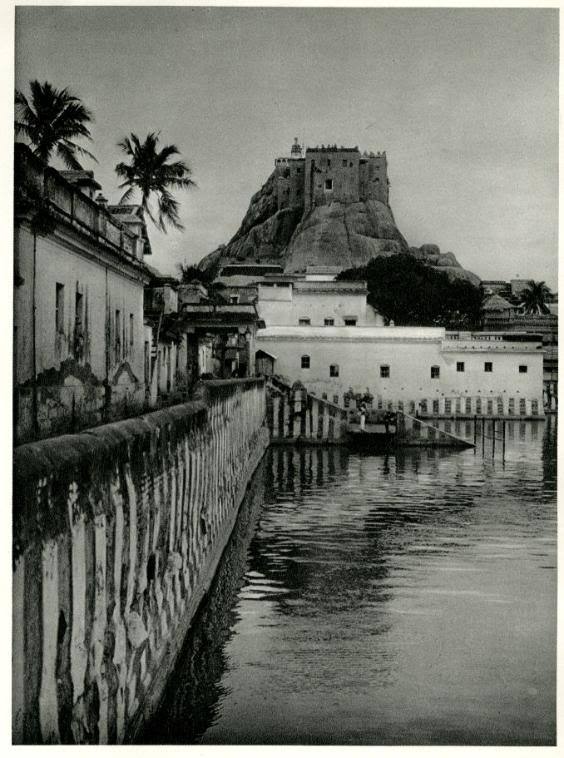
<point x="104" y="291"/>
<point x="117" y="533"/>
<point x="74" y="358"/>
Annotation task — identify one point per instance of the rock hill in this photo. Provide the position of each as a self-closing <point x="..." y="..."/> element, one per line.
<point x="334" y="232"/>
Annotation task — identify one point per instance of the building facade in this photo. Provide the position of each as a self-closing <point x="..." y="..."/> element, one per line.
<point x="424" y="370"/>
<point x="78" y="303"/>
<point x="298" y="301"/>
<point x="330" y="173"/>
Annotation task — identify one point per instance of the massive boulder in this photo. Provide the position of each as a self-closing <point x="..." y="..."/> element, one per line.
<point x="344" y="234"/>
<point x="445" y="262"/>
<point x="337" y="234"/>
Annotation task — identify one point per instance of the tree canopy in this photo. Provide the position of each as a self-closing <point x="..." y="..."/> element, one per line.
<point x="51" y="120"/>
<point x="411" y="293"/>
<point x="535" y="297"/>
<point x="190" y="274"/>
<point x="150" y="172"/>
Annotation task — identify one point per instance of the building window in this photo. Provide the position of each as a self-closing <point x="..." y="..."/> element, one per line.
<point x="350" y="321"/>
<point x="78" y="347"/>
<point x="324" y="396"/>
<point x="117" y="342"/>
<point x="131" y="330"/>
<point x="488" y="367"/>
<point x="333" y="370"/>
<point x="435" y="372"/>
<point x="304" y="322"/>
<point x="460" y="366"/>
<point x="305" y="361"/>
<point x="328" y="184"/>
<point x="59" y="308"/>
<point x="345" y="162"/>
<point x="78" y="311"/>
<point x="147" y="362"/>
<point x="336" y="399"/>
<point x="329" y="162"/>
<point x="329" y="322"/>
<point x="351" y="164"/>
<point x="385" y="372"/>
<point x="234" y="299"/>
<point x="523" y="369"/>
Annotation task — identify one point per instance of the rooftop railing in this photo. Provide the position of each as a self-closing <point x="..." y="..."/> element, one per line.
<point x="76" y="207"/>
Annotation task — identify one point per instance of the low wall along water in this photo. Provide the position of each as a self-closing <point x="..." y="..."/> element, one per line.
<point x="117" y="535"/>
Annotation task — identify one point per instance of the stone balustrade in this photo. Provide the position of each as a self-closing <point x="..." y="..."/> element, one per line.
<point x="465" y="406"/>
<point x="117" y="535"/>
<point x="293" y="414"/>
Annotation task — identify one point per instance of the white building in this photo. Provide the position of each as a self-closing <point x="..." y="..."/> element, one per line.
<point x="325" y="335"/>
<point x="293" y="301"/>
<point x="78" y="302"/>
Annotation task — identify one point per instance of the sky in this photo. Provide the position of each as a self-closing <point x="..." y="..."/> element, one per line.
<point x="463" y="101"/>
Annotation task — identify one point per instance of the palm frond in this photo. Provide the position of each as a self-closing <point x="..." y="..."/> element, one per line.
<point x="126" y="195"/>
<point x="168" y="211"/>
<point x="80" y="150"/>
<point x="148" y="171"/>
<point x="68" y="156"/>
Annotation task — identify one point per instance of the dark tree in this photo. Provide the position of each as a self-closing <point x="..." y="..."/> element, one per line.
<point x="190" y="274"/>
<point x="51" y="120"/>
<point x="411" y="293"/>
<point x="151" y="172"/>
<point x="534" y="298"/>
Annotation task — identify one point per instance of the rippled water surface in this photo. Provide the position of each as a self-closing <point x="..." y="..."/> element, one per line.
<point x="402" y="599"/>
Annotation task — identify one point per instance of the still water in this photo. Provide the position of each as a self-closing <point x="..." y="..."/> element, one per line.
<point x="401" y="599"/>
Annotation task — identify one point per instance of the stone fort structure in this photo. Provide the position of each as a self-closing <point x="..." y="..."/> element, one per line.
<point x="330" y="173"/>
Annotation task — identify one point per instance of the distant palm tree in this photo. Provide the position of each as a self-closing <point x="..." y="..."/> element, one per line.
<point x="149" y="172"/>
<point x="51" y="121"/>
<point x="534" y="298"/>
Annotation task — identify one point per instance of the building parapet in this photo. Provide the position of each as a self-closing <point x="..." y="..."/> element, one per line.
<point x="354" y="333"/>
<point x="77" y="208"/>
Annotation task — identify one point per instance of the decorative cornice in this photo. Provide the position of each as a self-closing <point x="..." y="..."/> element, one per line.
<point x="352" y="338"/>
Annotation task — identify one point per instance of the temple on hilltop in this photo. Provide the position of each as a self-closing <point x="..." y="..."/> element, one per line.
<point x="330" y="174"/>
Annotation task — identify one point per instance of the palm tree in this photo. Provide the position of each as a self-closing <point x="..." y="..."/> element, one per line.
<point x="534" y="298"/>
<point x="51" y="120"/>
<point x="149" y="172"/>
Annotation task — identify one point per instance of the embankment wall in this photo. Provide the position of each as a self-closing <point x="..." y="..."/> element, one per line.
<point x="117" y="535"/>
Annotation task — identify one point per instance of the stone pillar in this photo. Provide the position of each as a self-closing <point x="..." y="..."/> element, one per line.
<point x="325" y="433"/>
<point x="296" y="413"/>
<point x="251" y="351"/>
<point x="338" y="427"/>
<point x="308" y="419"/>
<point x="275" y="416"/>
<point x="286" y="414"/>
<point x="314" y="418"/>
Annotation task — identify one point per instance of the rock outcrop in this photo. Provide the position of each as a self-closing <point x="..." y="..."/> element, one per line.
<point x="335" y="234"/>
<point x="344" y="234"/>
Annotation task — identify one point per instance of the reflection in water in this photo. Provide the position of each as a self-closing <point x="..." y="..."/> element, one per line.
<point x="398" y="599"/>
